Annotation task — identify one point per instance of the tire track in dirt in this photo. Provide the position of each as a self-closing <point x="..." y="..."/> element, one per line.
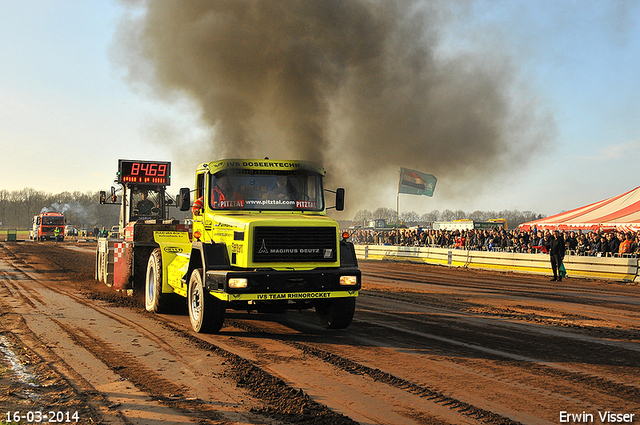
<point x="120" y="362"/>
<point x="460" y="409"/>
<point x="33" y="375"/>
<point x="281" y="402"/>
<point x="475" y="338"/>
<point x="474" y="413"/>
<point x="531" y="344"/>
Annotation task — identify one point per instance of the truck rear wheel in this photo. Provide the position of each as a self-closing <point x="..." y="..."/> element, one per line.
<point x="154" y="299"/>
<point x="336" y="313"/>
<point x="206" y="312"/>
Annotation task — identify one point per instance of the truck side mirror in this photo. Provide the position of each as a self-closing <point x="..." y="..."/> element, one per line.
<point x="103" y="197"/>
<point x="339" y="199"/>
<point x="185" y="199"/>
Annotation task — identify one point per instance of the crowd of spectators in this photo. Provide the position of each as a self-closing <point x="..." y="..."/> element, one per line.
<point x="596" y="243"/>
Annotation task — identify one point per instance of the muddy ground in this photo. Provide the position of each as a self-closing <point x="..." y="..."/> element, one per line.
<point x="428" y="345"/>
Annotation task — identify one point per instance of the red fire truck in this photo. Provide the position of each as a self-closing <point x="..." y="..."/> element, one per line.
<point x="45" y="224"/>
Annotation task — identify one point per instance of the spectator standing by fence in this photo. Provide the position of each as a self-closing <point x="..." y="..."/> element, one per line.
<point x="635" y="246"/>
<point x="625" y="245"/>
<point x="556" y="247"/>
<point x="602" y="247"/>
<point x="583" y="245"/>
<point x="571" y="241"/>
<point x="614" y="242"/>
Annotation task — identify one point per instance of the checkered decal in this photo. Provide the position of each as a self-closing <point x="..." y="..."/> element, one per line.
<point x="118" y="251"/>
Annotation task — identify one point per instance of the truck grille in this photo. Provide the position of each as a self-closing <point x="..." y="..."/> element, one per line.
<point x="294" y="244"/>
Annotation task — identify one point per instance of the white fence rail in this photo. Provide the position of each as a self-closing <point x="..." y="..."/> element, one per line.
<point x="610" y="268"/>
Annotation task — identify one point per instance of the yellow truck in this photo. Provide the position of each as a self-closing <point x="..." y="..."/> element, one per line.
<point x="260" y="241"/>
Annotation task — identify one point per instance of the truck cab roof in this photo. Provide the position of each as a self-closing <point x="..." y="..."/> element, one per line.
<point x="261" y="164"/>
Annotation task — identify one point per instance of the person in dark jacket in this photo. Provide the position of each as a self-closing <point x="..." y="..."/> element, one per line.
<point x="614" y="243"/>
<point x="556" y="250"/>
<point x="602" y="247"/>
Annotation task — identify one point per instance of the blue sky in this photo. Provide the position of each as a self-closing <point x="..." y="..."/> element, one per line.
<point x="67" y="114"/>
<point x="581" y="59"/>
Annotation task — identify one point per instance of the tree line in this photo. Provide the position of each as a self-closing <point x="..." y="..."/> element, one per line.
<point x="83" y="210"/>
<point x="412" y="218"/>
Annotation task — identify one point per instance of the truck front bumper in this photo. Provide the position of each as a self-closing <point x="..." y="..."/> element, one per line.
<point x="269" y="285"/>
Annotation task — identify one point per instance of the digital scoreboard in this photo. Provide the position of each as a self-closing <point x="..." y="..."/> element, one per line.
<point x="144" y="172"/>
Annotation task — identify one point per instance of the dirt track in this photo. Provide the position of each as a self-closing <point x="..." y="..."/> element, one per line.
<point x="428" y="345"/>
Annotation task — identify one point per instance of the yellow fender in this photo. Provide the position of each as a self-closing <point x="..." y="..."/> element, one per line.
<point x="175" y="247"/>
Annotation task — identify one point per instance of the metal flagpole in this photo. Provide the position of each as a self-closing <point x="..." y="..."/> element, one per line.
<point x="398" y="210"/>
<point x="398" y="199"/>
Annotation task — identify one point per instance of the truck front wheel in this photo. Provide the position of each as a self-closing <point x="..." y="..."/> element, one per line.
<point x="154" y="299"/>
<point x="206" y="312"/>
<point x="336" y="313"/>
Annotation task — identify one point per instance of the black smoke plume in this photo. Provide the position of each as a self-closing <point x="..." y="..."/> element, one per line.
<point x="359" y="86"/>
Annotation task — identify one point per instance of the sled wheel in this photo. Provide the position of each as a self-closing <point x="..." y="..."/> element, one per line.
<point x="101" y="272"/>
<point x="98" y="271"/>
<point x="206" y="312"/>
<point x="105" y="268"/>
<point x="154" y="299"/>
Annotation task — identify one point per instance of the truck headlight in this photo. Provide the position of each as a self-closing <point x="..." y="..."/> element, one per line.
<point x="238" y="282"/>
<point x="348" y="280"/>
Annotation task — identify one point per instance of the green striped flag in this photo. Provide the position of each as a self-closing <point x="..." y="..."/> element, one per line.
<point x="414" y="182"/>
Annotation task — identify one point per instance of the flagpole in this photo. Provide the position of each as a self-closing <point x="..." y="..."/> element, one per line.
<point x="398" y="199"/>
<point x="398" y="210"/>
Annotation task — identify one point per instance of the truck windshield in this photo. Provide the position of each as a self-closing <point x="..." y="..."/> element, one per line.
<point x="275" y="191"/>
<point x="146" y="204"/>
<point x="53" y="220"/>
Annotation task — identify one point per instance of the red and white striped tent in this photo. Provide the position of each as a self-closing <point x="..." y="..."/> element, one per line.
<point x="620" y="213"/>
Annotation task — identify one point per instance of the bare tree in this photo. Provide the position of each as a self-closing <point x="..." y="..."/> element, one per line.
<point x="15" y="197"/>
<point x="18" y="207"/>
<point x="389" y="214"/>
<point x="447" y="215"/>
<point x="362" y="217"/>
<point x="410" y="218"/>
<point x="514" y="218"/>
<point x="31" y="202"/>
<point x="459" y="215"/>
<point x="430" y="217"/>
<point x="478" y="216"/>
<point x="4" y="203"/>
